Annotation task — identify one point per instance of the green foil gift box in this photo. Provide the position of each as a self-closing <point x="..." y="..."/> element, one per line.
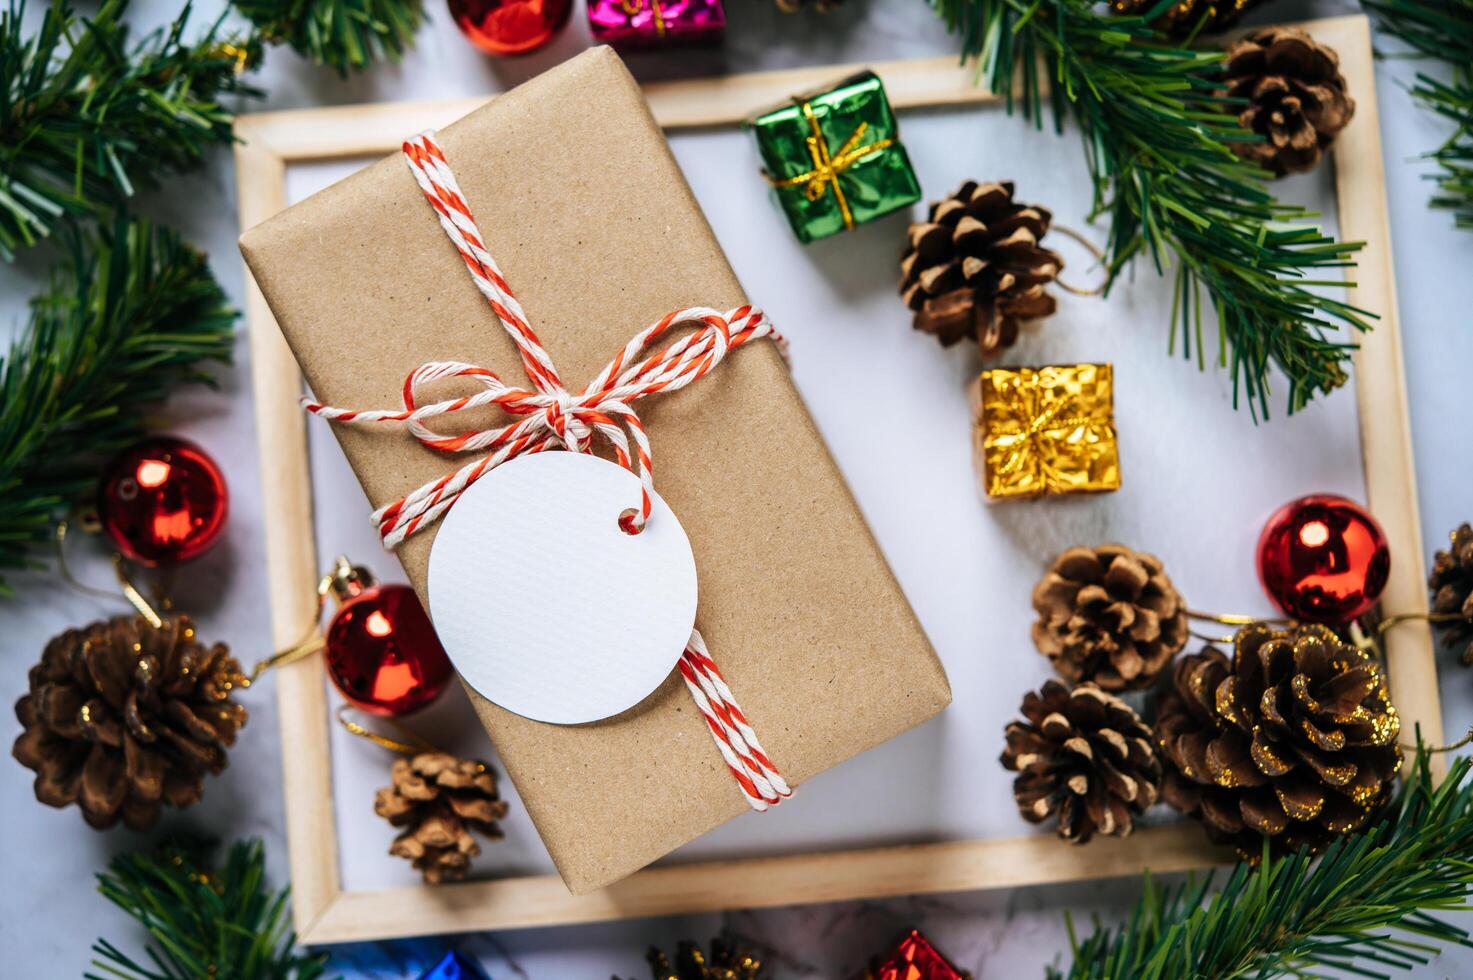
<point x="834" y="158"/>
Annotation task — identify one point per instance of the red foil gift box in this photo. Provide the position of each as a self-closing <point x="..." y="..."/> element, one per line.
<point x="913" y="958"/>
<point x="631" y="22"/>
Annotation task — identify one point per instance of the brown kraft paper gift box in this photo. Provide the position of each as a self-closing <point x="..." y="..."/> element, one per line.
<point x="588" y="215"/>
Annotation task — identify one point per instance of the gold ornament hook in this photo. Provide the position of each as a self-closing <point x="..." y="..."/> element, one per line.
<point x="125" y="584"/>
<point x="412" y="745"/>
<point x="343" y="581"/>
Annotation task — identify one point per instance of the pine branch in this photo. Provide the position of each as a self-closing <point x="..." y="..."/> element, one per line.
<point x="204" y="922"/>
<point x="131" y="313"/>
<point x="84" y="118"/>
<point x="1441" y="29"/>
<point x="341" y="34"/>
<point x="1365" y="906"/>
<point x="1156" y="137"/>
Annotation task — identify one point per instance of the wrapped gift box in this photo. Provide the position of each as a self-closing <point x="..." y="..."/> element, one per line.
<point x="648" y="22"/>
<point x="1045" y="430"/>
<point x="796" y="600"/>
<point x="834" y="157"/>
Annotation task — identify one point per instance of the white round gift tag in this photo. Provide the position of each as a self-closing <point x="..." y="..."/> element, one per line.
<point x="545" y="605"/>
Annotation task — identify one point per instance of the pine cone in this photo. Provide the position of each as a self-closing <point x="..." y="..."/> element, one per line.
<point x="1294" y="738"/>
<point x="122" y="718"/>
<point x="975" y="267"/>
<point x="440" y="799"/>
<point x="1296" y="97"/>
<point x="1085" y="755"/>
<point x="727" y="961"/>
<point x="1451" y="583"/>
<point x="1109" y="615"/>
<point x="1186" y="16"/>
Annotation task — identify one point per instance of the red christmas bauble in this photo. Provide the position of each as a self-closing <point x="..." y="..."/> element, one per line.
<point x="163" y="501"/>
<point x="383" y="654"/>
<point x="510" y="26"/>
<point x="913" y="958"/>
<point x="1323" y="559"/>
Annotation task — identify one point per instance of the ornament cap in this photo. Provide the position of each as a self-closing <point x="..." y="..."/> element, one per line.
<point x="345" y="580"/>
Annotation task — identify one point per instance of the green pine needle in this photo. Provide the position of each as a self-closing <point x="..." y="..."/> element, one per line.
<point x="347" y="35"/>
<point x="1156" y="137"/>
<point x="1366" y="906"/>
<point x="1441" y="29"/>
<point x="85" y="118"/>
<point x="131" y="313"/>
<point x="204" y="921"/>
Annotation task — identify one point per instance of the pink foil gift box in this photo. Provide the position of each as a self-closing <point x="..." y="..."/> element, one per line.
<point x="629" y="22"/>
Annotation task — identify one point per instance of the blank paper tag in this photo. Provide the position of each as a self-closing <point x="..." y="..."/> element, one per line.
<point x="545" y="605"/>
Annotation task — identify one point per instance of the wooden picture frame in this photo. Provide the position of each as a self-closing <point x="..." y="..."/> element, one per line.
<point x="325" y="913"/>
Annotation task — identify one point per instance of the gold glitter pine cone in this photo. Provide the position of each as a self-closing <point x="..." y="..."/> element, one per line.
<point x="728" y="961"/>
<point x="1294" y="738"/>
<point x="1184" y="17"/>
<point x="439" y="800"/>
<point x="122" y="718"/>
<point x="975" y="267"/>
<point x="1296" y="98"/>
<point x="1109" y="615"/>
<point x="1085" y="756"/>
<point x="1451" y="584"/>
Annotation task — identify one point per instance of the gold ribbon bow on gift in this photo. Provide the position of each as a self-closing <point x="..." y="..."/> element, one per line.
<point x="828" y="166"/>
<point x="1028" y="442"/>
<point x="633" y="7"/>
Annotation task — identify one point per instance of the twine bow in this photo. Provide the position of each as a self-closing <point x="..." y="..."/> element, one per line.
<point x="633" y="7"/>
<point x="828" y="166"/>
<point x="550" y="416"/>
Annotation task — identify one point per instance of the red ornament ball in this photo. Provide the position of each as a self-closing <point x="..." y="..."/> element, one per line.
<point x="1323" y="559"/>
<point x="383" y="654"/>
<point x="913" y="958"/>
<point x="510" y="26"/>
<point x="163" y="501"/>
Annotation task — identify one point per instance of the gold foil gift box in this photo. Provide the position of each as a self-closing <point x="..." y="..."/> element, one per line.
<point x="1046" y="430"/>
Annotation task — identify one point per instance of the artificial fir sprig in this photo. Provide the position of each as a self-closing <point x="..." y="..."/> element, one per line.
<point x="341" y="34"/>
<point x="204" y="922"/>
<point x="1441" y="29"/>
<point x="131" y="313"/>
<point x="1156" y="135"/>
<point x="86" y="117"/>
<point x="1367" y="905"/>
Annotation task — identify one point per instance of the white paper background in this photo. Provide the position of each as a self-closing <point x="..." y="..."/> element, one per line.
<point x="1198" y="480"/>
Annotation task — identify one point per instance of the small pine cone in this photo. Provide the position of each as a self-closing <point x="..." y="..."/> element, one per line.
<point x="1296" y="97"/>
<point x="1294" y="738"/>
<point x="727" y="961"/>
<point x="1186" y="17"/>
<point x="440" y="799"/>
<point x="1084" y="755"/>
<point x="975" y="267"/>
<point x="1451" y="583"/>
<point x="122" y="718"/>
<point x="1109" y="615"/>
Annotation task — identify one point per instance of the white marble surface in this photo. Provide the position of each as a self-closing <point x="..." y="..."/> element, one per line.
<point x="46" y="924"/>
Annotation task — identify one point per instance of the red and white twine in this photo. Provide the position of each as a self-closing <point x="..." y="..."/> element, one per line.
<point x="548" y="416"/>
